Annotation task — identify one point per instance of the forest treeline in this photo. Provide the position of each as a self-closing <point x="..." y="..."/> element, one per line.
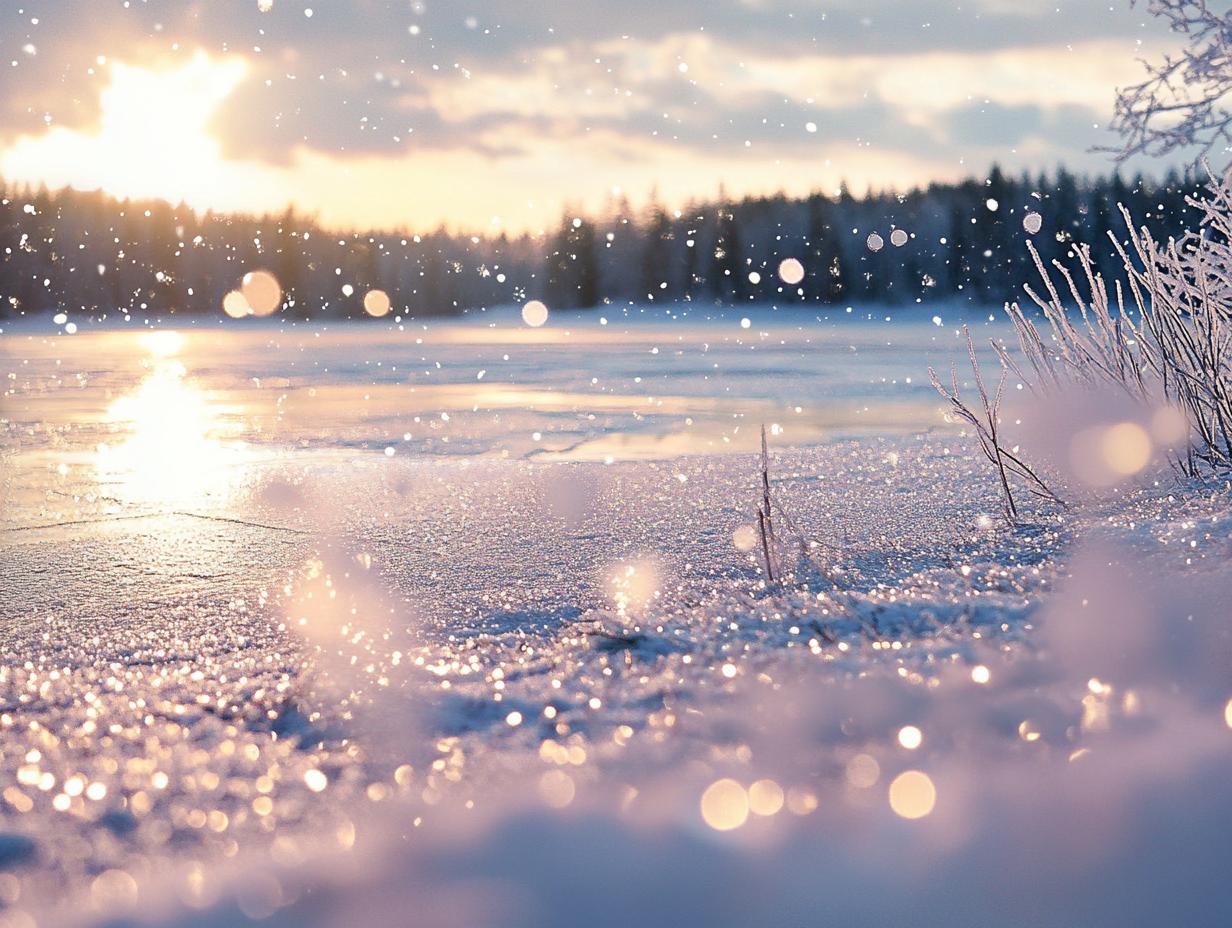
<point x="85" y="252"/>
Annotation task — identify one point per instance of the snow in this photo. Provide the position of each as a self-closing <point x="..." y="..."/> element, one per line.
<point x="488" y="681"/>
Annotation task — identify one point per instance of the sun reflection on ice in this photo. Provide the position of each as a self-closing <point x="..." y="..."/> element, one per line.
<point x="170" y="451"/>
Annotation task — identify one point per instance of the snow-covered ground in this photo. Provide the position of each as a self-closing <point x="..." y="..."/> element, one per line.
<point x="259" y="669"/>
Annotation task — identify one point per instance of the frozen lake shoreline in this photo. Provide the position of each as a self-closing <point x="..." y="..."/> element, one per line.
<point x="154" y="416"/>
<point x="404" y="668"/>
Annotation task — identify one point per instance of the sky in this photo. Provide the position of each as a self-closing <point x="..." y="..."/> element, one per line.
<point x="489" y="115"/>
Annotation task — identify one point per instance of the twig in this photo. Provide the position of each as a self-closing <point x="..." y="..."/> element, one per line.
<point x="765" y="543"/>
<point x="986" y="425"/>
<point x="1177" y="352"/>
<point x="765" y="482"/>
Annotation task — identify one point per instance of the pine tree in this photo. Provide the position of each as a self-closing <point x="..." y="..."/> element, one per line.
<point x="656" y="256"/>
<point x="825" y="274"/>
<point x="727" y="280"/>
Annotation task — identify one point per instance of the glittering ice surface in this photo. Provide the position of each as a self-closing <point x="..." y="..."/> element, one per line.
<point x="524" y="667"/>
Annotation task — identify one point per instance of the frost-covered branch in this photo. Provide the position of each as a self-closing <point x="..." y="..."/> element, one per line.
<point x="986" y="422"/>
<point x="1171" y="342"/>
<point x="1182" y="103"/>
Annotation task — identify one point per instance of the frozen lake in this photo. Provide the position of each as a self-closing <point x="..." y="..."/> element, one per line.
<point x="287" y="603"/>
<point x="137" y="415"/>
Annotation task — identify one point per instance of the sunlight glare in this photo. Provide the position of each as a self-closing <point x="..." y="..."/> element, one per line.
<point x="162" y="344"/>
<point x="153" y="138"/>
<point x="171" y="453"/>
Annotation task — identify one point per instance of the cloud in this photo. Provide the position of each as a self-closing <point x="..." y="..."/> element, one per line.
<point x="574" y="98"/>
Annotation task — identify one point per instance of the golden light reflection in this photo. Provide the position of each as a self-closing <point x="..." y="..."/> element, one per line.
<point x="1103" y="456"/>
<point x="163" y="343"/>
<point x="534" y="314"/>
<point x="765" y="797"/>
<point x="863" y="771"/>
<point x="910" y="737"/>
<point x="725" y="805"/>
<point x="262" y="292"/>
<point x="170" y="451"/>
<point x="912" y="794"/>
<point x="377" y="303"/>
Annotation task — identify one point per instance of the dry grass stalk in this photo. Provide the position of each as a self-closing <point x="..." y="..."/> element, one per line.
<point x="1169" y="343"/>
<point x="986" y="422"/>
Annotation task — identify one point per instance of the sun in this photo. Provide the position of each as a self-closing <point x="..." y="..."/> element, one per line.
<point x="152" y="139"/>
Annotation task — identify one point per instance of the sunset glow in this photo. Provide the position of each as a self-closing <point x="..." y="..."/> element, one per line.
<point x="152" y="140"/>
<point x="505" y="145"/>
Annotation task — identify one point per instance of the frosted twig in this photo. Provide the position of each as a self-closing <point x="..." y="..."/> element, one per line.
<point x="1171" y="345"/>
<point x="986" y="423"/>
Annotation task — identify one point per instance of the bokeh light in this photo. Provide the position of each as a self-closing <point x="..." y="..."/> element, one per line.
<point x="745" y="538"/>
<point x="376" y="303"/>
<point x="1127" y="448"/>
<point x="910" y="737"/>
<point x="791" y="271"/>
<point x="235" y="305"/>
<point x="262" y="292"/>
<point x="1169" y="426"/>
<point x="633" y="586"/>
<point x="725" y="805"/>
<point x="1105" y="455"/>
<point x="863" y="771"/>
<point x="765" y="798"/>
<point x="557" y="789"/>
<point x="912" y="794"/>
<point x="315" y="780"/>
<point x="534" y="313"/>
<point x="801" y="801"/>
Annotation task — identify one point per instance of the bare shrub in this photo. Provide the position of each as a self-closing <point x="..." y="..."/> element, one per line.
<point x="1168" y="343"/>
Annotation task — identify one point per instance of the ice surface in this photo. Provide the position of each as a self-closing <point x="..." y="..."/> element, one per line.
<point x="492" y="685"/>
